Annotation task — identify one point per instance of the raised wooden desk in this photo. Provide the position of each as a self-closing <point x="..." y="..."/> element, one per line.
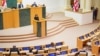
<point x="14" y="18"/>
<point x="95" y="48"/>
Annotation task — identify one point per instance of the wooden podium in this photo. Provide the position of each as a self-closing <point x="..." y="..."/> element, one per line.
<point x="40" y="28"/>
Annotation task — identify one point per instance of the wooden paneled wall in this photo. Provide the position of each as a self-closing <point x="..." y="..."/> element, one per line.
<point x="0" y="2"/>
<point x="18" y="1"/>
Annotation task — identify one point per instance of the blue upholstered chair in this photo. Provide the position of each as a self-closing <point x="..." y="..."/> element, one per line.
<point x="81" y="37"/>
<point x="97" y="43"/>
<point x="48" y="45"/>
<point x="63" y="52"/>
<point x="25" y="48"/>
<point x="2" y="49"/>
<point x="87" y="35"/>
<point x="74" y="50"/>
<point x="92" y="33"/>
<point x="38" y="47"/>
<point x="59" y="43"/>
<point x="51" y="54"/>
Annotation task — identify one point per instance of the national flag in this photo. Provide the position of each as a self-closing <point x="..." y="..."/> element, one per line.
<point x="76" y="5"/>
<point x="3" y="3"/>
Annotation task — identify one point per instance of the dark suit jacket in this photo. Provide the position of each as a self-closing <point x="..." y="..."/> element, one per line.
<point x="34" y="5"/>
<point x="36" y="18"/>
<point x="20" y="6"/>
<point x="14" y="50"/>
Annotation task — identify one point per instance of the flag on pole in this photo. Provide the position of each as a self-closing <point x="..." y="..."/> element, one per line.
<point x="4" y="3"/>
<point x="76" y="5"/>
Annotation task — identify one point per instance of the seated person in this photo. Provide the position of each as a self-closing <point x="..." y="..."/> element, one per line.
<point x="82" y="50"/>
<point x="43" y="5"/>
<point x="52" y="44"/>
<point x="34" y="4"/>
<point x="20" y="5"/>
<point x="30" y="50"/>
<point x="36" y="17"/>
<point x="14" y="49"/>
<point x="58" y="51"/>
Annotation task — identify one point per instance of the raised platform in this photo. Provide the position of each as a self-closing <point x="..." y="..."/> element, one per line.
<point x="80" y="18"/>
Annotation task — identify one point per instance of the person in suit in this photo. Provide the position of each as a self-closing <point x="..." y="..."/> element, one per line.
<point x="95" y="12"/>
<point x="20" y="5"/>
<point x="36" y="17"/>
<point x="52" y="44"/>
<point x="30" y="50"/>
<point x="34" y="5"/>
<point x="14" y="49"/>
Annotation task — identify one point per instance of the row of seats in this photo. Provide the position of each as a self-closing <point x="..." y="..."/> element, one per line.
<point x="87" y="40"/>
<point x="92" y="33"/>
<point x="38" y="47"/>
<point x="50" y="51"/>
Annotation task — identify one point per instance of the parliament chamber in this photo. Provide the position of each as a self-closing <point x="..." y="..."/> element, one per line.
<point x="55" y="25"/>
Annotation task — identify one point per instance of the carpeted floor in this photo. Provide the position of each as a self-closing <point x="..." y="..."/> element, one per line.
<point x="69" y="35"/>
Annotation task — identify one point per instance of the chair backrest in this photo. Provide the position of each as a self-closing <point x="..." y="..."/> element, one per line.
<point x="51" y="54"/>
<point x="81" y="37"/>
<point x="87" y="35"/>
<point x="25" y="48"/>
<point x="38" y="47"/>
<point x="14" y="54"/>
<point x="2" y="49"/>
<point x="97" y="43"/>
<point x="74" y="50"/>
<point x="92" y="33"/>
<point x="64" y="52"/>
<point x="48" y="45"/>
<point x="59" y="43"/>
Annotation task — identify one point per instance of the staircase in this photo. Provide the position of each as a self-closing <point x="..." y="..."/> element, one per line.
<point x="61" y="27"/>
<point x="63" y="24"/>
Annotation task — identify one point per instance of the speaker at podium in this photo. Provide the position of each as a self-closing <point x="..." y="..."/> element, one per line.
<point x="40" y="27"/>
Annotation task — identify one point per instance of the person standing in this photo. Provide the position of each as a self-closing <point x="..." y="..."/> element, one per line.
<point x="95" y="13"/>
<point x="14" y="49"/>
<point x="34" y="4"/>
<point x="20" y="5"/>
